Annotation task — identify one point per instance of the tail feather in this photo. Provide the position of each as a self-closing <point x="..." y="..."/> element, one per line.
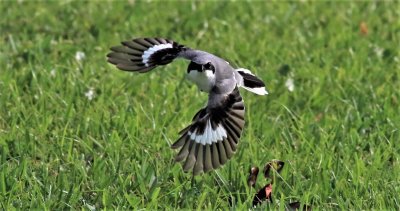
<point x="250" y="82"/>
<point x="144" y="54"/>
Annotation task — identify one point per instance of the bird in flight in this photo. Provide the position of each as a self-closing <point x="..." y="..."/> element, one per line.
<point x="213" y="135"/>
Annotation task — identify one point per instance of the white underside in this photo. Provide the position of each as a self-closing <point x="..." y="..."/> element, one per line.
<point x="204" y="80"/>
<point x="209" y="136"/>
<point x="146" y="54"/>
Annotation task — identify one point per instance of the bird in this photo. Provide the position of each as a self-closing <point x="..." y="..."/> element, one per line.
<point x="212" y="137"/>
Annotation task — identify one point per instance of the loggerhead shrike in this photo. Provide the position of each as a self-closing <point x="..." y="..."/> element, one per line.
<point x="213" y="136"/>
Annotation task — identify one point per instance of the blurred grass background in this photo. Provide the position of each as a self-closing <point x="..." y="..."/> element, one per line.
<point x="77" y="133"/>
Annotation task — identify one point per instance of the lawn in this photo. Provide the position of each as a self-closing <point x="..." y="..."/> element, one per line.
<point x="77" y="133"/>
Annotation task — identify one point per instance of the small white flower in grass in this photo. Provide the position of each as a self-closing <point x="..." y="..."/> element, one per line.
<point x="90" y="94"/>
<point x="379" y="51"/>
<point x="290" y="84"/>
<point x="53" y="73"/>
<point x="79" y="56"/>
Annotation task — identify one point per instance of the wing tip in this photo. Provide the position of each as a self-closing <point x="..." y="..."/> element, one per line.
<point x="257" y="90"/>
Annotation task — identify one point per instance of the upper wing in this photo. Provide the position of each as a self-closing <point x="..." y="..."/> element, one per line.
<point x="213" y="136"/>
<point x="144" y="54"/>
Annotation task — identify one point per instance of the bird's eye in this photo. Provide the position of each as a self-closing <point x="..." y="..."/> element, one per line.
<point x="209" y="66"/>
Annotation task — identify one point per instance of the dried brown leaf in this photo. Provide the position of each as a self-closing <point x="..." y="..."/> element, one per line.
<point x="276" y="164"/>
<point x="252" y="179"/>
<point x="263" y="194"/>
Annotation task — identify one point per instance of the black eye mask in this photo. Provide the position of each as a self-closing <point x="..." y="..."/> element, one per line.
<point x="209" y="66"/>
<point x="195" y="66"/>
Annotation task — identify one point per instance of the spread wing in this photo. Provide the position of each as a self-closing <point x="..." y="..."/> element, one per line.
<point x="212" y="137"/>
<point x="144" y="54"/>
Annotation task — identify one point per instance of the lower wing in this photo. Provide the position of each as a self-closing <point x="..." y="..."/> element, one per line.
<point x="212" y="137"/>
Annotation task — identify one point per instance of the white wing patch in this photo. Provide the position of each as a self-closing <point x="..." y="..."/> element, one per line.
<point x="256" y="90"/>
<point x="146" y="54"/>
<point x="209" y="136"/>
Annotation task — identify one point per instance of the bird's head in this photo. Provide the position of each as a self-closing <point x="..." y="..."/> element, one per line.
<point x="202" y="67"/>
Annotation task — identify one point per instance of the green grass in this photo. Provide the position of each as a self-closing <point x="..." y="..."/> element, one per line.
<point x="338" y="131"/>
